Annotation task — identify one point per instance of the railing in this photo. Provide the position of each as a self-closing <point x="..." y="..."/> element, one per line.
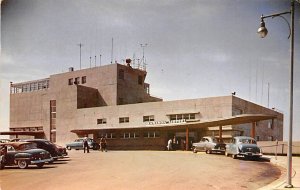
<point x="278" y="148"/>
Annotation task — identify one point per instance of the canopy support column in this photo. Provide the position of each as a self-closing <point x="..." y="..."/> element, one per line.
<point x="220" y="133"/>
<point x="187" y="139"/>
<point x="253" y="130"/>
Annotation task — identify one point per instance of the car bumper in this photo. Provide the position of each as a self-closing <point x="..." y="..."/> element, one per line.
<point x="41" y="161"/>
<point x="251" y="154"/>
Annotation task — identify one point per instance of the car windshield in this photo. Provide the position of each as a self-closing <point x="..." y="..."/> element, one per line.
<point x="27" y="146"/>
<point x="247" y="141"/>
<point x="215" y="140"/>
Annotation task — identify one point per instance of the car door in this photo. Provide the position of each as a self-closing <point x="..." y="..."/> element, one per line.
<point x="202" y="144"/>
<point x="233" y="146"/>
<point x="10" y="156"/>
<point x="78" y="143"/>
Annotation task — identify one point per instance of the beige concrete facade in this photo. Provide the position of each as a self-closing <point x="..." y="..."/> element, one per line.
<point x="114" y="100"/>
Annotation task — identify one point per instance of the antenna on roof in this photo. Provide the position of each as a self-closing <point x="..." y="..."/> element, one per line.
<point x="143" y="59"/>
<point x="112" y="50"/>
<point x="100" y="59"/>
<point x="90" y="62"/>
<point x="133" y="60"/>
<point x="80" y="45"/>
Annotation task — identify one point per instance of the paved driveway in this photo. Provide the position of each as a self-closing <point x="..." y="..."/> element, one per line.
<point x="142" y="170"/>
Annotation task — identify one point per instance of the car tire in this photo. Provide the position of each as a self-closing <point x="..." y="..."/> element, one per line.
<point x="2" y="166"/>
<point x="40" y="165"/>
<point x="22" y="164"/>
<point x="194" y="150"/>
<point x="68" y="147"/>
<point x="208" y="151"/>
<point x="233" y="156"/>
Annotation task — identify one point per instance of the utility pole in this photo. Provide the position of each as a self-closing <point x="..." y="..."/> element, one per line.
<point x="95" y="61"/>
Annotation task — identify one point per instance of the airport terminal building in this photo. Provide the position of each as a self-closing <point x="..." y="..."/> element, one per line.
<point x="114" y="101"/>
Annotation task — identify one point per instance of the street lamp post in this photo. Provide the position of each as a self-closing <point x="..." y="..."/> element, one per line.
<point x="262" y="31"/>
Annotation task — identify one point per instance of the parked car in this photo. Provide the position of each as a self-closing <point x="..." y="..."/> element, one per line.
<point x="46" y="145"/>
<point x="209" y="145"/>
<point x="243" y="146"/>
<point x="78" y="144"/>
<point x="62" y="151"/>
<point x="23" y="154"/>
<point x="4" y="140"/>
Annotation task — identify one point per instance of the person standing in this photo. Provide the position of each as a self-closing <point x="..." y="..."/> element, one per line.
<point x="169" y="146"/>
<point x="86" y="145"/>
<point x="103" y="144"/>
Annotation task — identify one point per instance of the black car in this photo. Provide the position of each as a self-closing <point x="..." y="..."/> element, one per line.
<point x="46" y="145"/>
<point x="23" y="154"/>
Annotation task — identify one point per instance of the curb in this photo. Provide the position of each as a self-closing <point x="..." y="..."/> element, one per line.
<point x="281" y="180"/>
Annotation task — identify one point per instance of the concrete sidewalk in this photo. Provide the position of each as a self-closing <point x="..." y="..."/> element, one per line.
<point x="281" y="182"/>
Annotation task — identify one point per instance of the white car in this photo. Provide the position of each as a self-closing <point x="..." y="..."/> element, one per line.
<point x="243" y="146"/>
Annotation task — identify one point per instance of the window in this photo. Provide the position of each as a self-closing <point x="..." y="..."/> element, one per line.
<point x="124" y="120"/>
<point x="148" y="118"/>
<point x="83" y="79"/>
<point x="70" y="81"/>
<point x="53" y="120"/>
<point x="77" y="80"/>
<point x="270" y="125"/>
<point x="101" y="121"/>
<point x="140" y="79"/>
<point x="152" y="134"/>
<point x="131" y="135"/>
<point x="107" y="135"/>
<point x="121" y="74"/>
<point x="182" y="116"/>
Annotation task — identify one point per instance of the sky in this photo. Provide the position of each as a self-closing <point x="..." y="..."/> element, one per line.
<point x="195" y="48"/>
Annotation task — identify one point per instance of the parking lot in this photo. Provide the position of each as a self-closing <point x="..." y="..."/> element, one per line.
<point x="142" y="170"/>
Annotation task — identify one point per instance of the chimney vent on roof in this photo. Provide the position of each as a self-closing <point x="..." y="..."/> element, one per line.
<point x="71" y="69"/>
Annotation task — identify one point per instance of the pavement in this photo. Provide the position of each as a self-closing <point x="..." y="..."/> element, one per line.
<point x="280" y="183"/>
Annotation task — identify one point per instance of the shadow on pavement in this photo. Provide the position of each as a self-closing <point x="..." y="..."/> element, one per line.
<point x="29" y="168"/>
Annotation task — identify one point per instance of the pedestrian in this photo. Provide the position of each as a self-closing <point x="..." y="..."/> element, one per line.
<point x="169" y="146"/>
<point x="103" y="144"/>
<point x="86" y="145"/>
<point x="3" y="153"/>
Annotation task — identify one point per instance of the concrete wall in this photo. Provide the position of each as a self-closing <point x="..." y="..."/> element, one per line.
<point x="206" y="109"/>
<point x="26" y="110"/>
<point x="264" y="129"/>
<point x="271" y="147"/>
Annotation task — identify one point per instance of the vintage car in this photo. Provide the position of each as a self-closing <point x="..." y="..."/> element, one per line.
<point x="243" y="146"/>
<point x="23" y="154"/>
<point x="62" y="151"/>
<point x="46" y="145"/>
<point x="78" y="144"/>
<point x="209" y="145"/>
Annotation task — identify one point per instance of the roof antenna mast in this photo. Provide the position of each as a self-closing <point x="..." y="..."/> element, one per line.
<point x="112" y="50"/>
<point x="80" y="45"/>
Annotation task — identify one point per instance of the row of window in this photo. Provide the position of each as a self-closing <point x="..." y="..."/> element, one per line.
<point x="77" y="80"/>
<point x="131" y="135"/>
<point x="149" y="118"/>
